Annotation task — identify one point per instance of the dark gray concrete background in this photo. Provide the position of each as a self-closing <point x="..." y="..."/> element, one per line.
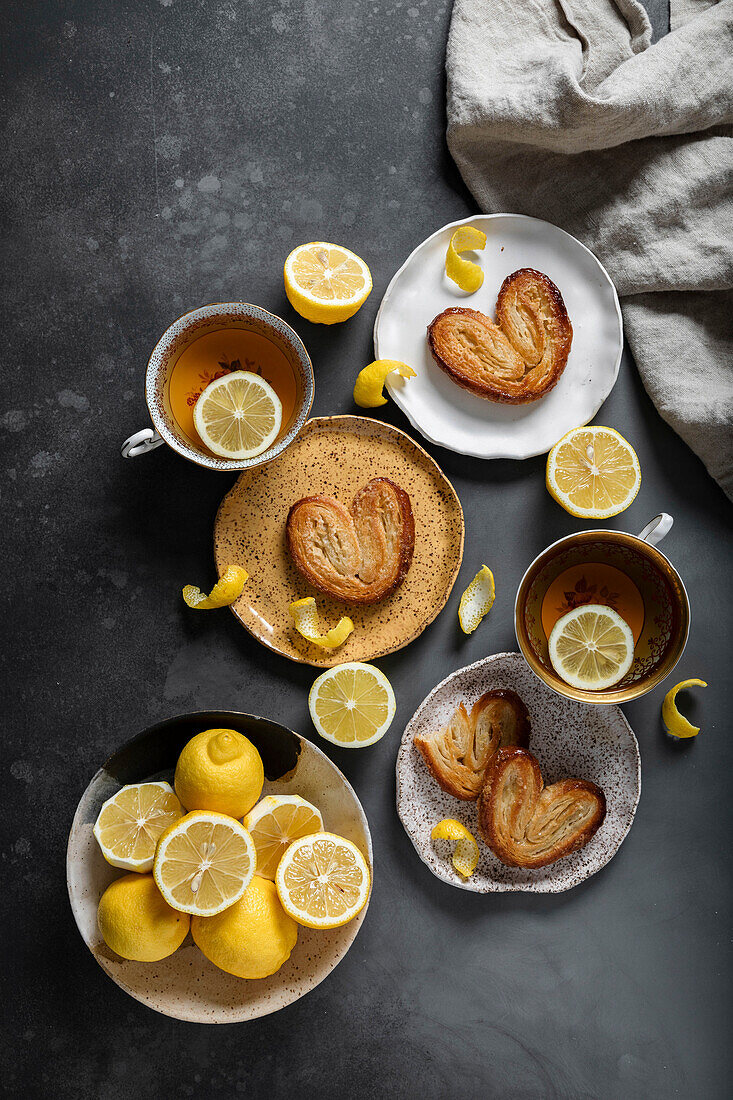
<point x="161" y="155"/>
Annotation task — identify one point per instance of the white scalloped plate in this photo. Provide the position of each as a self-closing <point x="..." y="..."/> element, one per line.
<point x="568" y="739"/>
<point x="454" y="418"/>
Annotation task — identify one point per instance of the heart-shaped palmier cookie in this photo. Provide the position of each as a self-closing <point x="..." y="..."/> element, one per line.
<point x="357" y="555"/>
<point x="529" y="825"/>
<point x="515" y="360"/>
<point x="458" y="754"/>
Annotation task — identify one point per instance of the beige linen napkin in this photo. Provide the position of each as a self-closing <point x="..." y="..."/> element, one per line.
<point x="564" y="110"/>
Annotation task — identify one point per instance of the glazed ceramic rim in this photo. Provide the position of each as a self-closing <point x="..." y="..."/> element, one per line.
<point x="245" y="309"/>
<point x="204" y="716"/>
<point x="608" y="697"/>
<point x="322" y="420"/>
<point x="504" y="887"/>
<point x="390" y="289"/>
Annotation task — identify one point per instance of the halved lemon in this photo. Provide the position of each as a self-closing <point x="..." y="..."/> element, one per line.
<point x="275" y="822"/>
<point x="323" y="881"/>
<point x="326" y="283"/>
<point x="593" y="472"/>
<point x="239" y="415"/>
<point x="466" y="853"/>
<point x="352" y="705"/>
<point x="477" y="600"/>
<point x="131" y="822"/>
<point x="591" y="647"/>
<point x="204" y="863"/>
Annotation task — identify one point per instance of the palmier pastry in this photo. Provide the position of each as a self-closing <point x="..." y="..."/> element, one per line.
<point x="529" y="825"/>
<point x="359" y="555"/>
<point x="458" y="755"/>
<point x="516" y="360"/>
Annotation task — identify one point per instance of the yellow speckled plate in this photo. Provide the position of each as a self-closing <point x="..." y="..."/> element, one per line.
<point x="338" y="455"/>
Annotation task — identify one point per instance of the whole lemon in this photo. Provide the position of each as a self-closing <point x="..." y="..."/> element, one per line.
<point x="137" y="922"/>
<point x="219" y="770"/>
<point x="253" y="937"/>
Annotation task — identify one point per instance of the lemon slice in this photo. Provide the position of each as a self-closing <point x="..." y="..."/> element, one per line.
<point x="323" y="881"/>
<point x="593" y="473"/>
<point x="275" y="822"/>
<point x="352" y="705"/>
<point x="466" y="274"/>
<point x="465" y="853"/>
<point x="591" y="647"/>
<point x="477" y="600"/>
<point x="131" y="822"/>
<point x="239" y="415"/>
<point x="204" y="863"/>
<point x="326" y="283"/>
<point x="226" y="590"/>
<point x="369" y="387"/>
<point x="675" y="723"/>
<point x="307" y="623"/>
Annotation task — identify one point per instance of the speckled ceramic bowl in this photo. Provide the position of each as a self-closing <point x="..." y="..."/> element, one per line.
<point x="569" y="739"/>
<point x="166" y="353"/>
<point x="186" y="985"/>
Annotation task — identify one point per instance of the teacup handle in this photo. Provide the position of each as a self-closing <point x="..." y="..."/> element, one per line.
<point x="656" y="529"/>
<point x="141" y="442"/>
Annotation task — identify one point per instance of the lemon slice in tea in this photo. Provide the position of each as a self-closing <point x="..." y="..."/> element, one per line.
<point x="238" y="416"/>
<point x="591" y="647"/>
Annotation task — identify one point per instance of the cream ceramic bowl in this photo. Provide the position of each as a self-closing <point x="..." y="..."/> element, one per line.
<point x="186" y="985"/>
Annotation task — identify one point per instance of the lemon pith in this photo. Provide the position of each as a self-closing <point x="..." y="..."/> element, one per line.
<point x="226" y="590"/>
<point x="137" y="923"/>
<point x="219" y="770"/>
<point x="352" y="705"/>
<point x="130" y="823"/>
<point x="675" y="723"/>
<point x="466" y="852"/>
<point x="323" y="880"/>
<point x="238" y="416"/>
<point x="591" y="647"/>
<point x="326" y="283"/>
<point x="250" y="939"/>
<point x="466" y="274"/>
<point x="274" y="823"/>
<point x="204" y="863"/>
<point x="477" y="600"/>
<point x="304" y="614"/>
<point x="593" y="472"/>
<point x="369" y="385"/>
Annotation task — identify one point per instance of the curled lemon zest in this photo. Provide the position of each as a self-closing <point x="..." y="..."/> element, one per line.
<point x="465" y="273"/>
<point x="466" y="853"/>
<point x="477" y="600"/>
<point x="675" y="723"/>
<point x="226" y="590"/>
<point x="307" y="623"/>
<point x="369" y="387"/>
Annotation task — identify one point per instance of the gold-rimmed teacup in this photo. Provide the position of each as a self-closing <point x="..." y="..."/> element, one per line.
<point x="175" y="340"/>
<point x="651" y="582"/>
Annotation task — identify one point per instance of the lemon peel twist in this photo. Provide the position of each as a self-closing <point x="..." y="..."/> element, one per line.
<point x="465" y="273"/>
<point x="477" y="600"/>
<point x="226" y="590"/>
<point x="675" y="723"/>
<point x="307" y="622"/>
<point x="465" y="854"/>
<point x="369" y="386"/>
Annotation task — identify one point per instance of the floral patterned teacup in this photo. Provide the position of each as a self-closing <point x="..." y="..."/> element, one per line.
<point x="623" y="571"/>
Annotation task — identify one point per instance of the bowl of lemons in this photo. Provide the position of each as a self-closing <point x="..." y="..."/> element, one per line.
<point x="219" y="867"/>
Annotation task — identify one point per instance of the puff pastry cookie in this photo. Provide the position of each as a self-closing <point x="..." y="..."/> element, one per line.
<point x="518" y="359"/>
<point x="357" y="555"/>
<point x="529" y="825"/>
<point x="458" y="755"/>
